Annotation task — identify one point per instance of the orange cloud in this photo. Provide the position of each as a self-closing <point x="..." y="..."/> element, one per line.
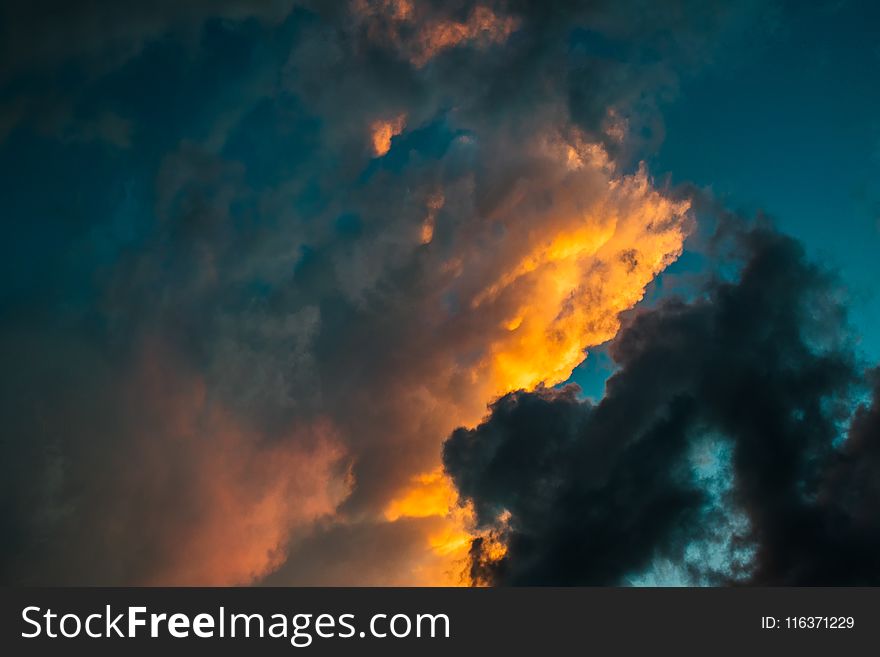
<point x="579" y="246"/>
<point x="435" y="203"/>
<point x="431" y="494"/>
<point x="483" y="27"/>
<point x="421" y="37"/>
<point x="219" y="503"/>
<point x="382" y="131"/>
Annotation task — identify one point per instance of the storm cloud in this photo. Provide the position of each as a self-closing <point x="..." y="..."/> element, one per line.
<point x="262" y="258"/>
<point x="740" y="422"/>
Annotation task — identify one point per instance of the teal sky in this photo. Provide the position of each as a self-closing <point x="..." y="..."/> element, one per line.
<point x="789" y="128"/>
<point x="793" y="129"/>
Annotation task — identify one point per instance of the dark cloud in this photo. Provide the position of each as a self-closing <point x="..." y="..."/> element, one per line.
<point x="53" y="55"/>
<point x="47" y="35"/>
<point x="761" y="366"/>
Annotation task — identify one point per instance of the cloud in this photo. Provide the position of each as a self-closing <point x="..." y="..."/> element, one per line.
<point x="54" y="54"/>
<point x="320" y="300"/>
<point x="759" y="372"/>
<point x="134" y="474"/>
<point x="48" y="34"/>
<point x="383" y="131"/>
<point x="421" y="36"/>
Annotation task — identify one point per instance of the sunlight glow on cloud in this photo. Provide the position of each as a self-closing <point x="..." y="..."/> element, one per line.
<point x="580" y="246"/>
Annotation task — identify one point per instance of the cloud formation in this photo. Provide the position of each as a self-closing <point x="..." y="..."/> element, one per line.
<point x="134" y="475"/>
<point x="740" y="422"/>
<point x="353" y="225"/>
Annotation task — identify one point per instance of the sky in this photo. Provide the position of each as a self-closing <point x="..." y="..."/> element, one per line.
<point x="409" y="292"/>
<point x="787" y="127"/>
<point x="791" y="130"/>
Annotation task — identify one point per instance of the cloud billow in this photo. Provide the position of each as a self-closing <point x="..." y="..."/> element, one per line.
<point x="762" y="366"/>
<point x="263" y="257"/>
